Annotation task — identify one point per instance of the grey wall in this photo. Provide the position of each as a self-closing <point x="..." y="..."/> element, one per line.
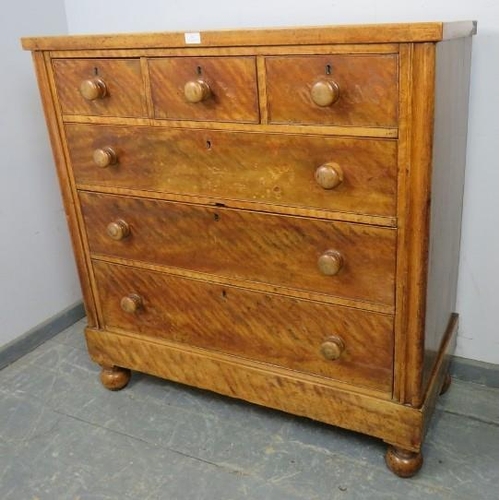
<point x="478" y="282"/>
<point x="37" y="274"/>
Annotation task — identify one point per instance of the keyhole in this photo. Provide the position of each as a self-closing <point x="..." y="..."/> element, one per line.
<point x="209" y="144"/>
<point x="224" y="294"/>
<point x="328" y="69"/>
<point x="198" y="70"/>
<point x="216" y="217"/>
<point x="96" y="71"/>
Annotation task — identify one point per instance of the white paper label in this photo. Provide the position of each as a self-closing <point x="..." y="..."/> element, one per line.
<point x="192" y="37"/>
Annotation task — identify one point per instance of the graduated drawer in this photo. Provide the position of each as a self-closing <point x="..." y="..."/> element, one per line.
<point x="104" y="87"/>
<point x="278" y="169"/>
<point x="204" y="88"/>
<point x="353" y="89"/>
<point x="301" y="335"/>
<point x="281" y="250"/>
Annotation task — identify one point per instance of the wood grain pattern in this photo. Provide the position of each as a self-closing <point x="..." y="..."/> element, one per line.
<point x="272" y="387"/>
<point x="276" y="169"/>
<point x="232" y="82"/>
<point x="340" y="34"/>
<point x="248" y="205"/>
<point x="274" y="249"/>
<point x="359" y="48"/>
<point x="404" y="143"/>
<point x="329" y="130"/>
<point x="123" y="81"/>
<point x="415" y="205"/>
<point x="256" y="286"/>
<point x="241" y="322"/>
<point x="368" y="88"/>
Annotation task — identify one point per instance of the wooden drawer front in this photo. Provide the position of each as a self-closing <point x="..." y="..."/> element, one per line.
<point x="367" y="89"/>
<point x="268" y="328"/>
<point x="124" y="95"/>
<point x="276" y="169"/>
<point x="280" y="250"/>
<point x="231" y="81"/>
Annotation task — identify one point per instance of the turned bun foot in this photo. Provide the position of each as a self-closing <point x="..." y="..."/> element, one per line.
<point x="446" y="384"/>
<point x="403" y="463"/>
<point x="114" y="378"/>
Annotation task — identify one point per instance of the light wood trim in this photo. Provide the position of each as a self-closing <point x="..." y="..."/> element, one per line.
<point x="342" y="34"/>
<point x="106" y="120"/>
<point x="416" y="205"/>
<point x="261" y="82"/>
<point x="372" y="132"/>
<point x="261" y="384"/>
<point x="380" y="48"/>
<point x="405" y="79"/>
<point x="251" y="285"/>
<point x="147" y="87"/>
<point x="54" y="128"/>
<point x="247" y="205"/>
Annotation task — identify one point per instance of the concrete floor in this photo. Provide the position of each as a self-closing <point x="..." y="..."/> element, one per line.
<point x="63" y="436"/>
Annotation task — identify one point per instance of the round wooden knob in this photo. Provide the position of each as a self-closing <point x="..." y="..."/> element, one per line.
<point x="103" y="157"/>
<point x="118" y="229"/>
<point x="131" y="303"/>
<point x="332" y="348"/>
<point x="330" y="262"/>
<point x="329" y="175"/>
<point x="325" y="92"/>
<point x="93" y="89"/>
<point x="197" y="91"/>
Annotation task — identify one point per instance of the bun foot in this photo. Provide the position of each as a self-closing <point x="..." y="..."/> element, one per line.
<point x="446" y="384"/>
<point x="114" y="378"/>
<point x="403" y="463"/>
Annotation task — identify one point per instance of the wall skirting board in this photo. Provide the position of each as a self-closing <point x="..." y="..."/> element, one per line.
<point x="478" y="372"/>
<point x="40" y="334"/>
<point x="468" y="370"/>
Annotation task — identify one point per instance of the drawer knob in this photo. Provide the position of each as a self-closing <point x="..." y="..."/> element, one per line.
<point x="325" y="92"/>
<point x="197" y="91"/>
<point x="93" y="89"/>
<point x="104" y="157"/>
<point x="332" y="348"/>
<point x="329" y="175"/>
<point x="118" y="230"/>
<point x="131" y="303"/>
<point x="330" y="262"/>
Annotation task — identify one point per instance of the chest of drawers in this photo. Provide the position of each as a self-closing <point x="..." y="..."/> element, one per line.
<point x="273" y="215"/>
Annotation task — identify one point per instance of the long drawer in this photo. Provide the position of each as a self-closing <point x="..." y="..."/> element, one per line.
<point x="345" y="344"/>
<point x="328" y="173"/>
<point x="353" y="261"/>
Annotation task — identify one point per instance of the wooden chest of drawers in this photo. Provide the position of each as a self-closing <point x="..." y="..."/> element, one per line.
<point x="273" y="215"/>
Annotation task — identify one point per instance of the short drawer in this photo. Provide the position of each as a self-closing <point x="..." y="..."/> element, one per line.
<point x="205" y="88"/>
<point x="346" y="344"/>
<point x="353" y="261"/>
<point x="346" y="90"/>
<point x="326" y="173"/>
<point x="103" y="87"/>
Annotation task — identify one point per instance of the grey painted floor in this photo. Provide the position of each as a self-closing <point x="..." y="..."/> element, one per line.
<point x="63" y="436"/>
